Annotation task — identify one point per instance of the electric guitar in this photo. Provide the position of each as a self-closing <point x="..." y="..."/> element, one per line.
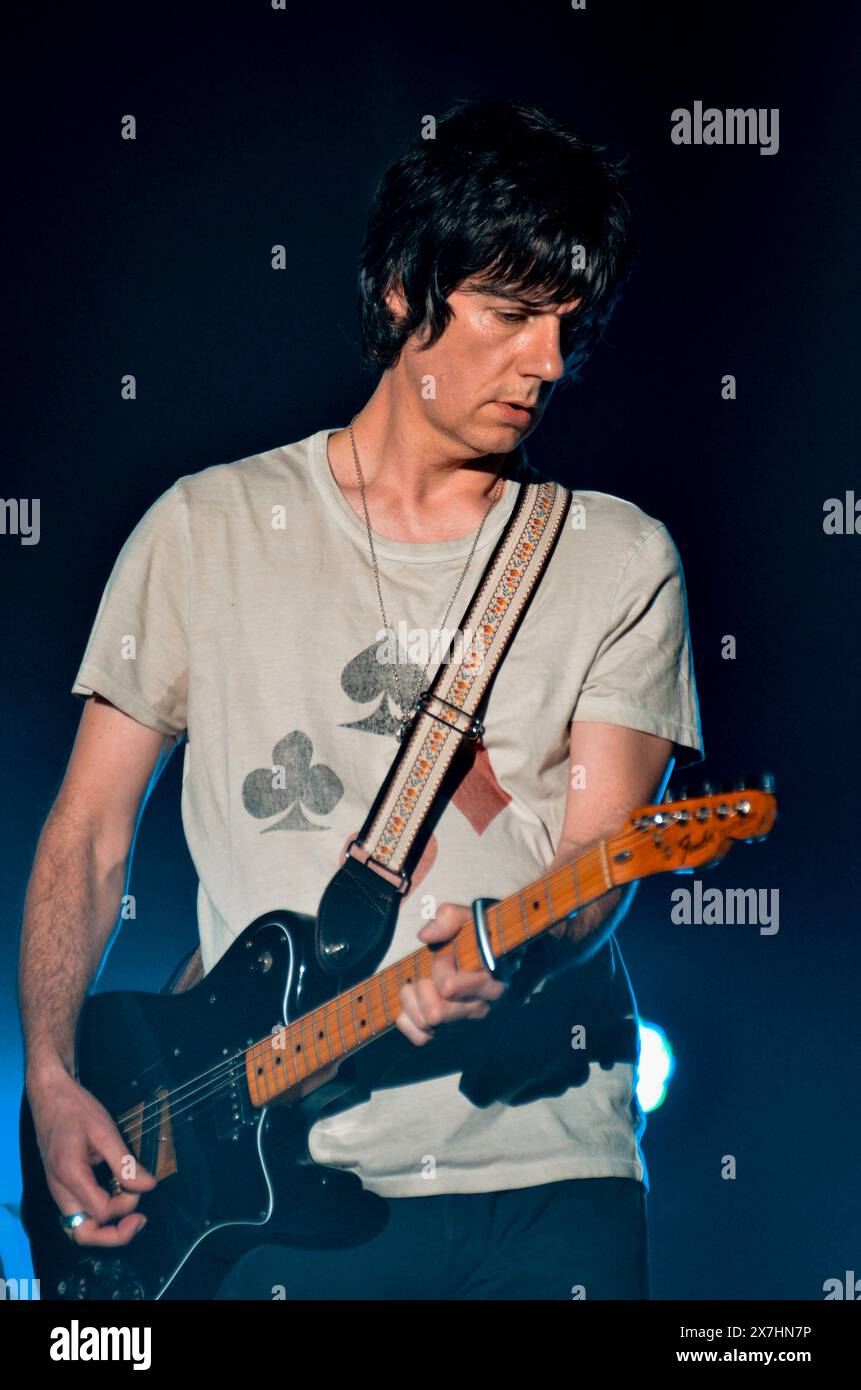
<point x="194" y="1080"/>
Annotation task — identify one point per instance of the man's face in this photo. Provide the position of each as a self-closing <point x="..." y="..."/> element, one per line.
<point x="495" y="356"/>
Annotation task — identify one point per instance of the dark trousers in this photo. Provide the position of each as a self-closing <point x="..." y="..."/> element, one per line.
<point x="585" y="1237"/>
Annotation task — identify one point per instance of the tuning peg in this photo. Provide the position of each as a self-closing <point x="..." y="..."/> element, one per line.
<point x="745" y="781"/>
<point x="669" y="795"/>
<point x="708" y="789"/>
<point x="766" y="782"/>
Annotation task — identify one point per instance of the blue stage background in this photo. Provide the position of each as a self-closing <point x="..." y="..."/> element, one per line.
<point x="152" y="257"/>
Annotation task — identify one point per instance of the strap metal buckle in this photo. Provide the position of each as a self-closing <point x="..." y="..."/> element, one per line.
<point x="405" y="880"/>
<point x="475" y="728"/>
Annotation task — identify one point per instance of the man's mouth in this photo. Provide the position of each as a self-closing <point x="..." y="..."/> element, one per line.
<point x="516" y="412"/>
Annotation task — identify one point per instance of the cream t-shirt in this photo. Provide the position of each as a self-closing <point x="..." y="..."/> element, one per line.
<point x="242" y="613"/>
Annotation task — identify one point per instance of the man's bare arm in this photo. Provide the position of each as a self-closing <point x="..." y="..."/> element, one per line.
<point x="75" y="889"/>
<point x="71" y="907"/>
<point x="623" y="769"/>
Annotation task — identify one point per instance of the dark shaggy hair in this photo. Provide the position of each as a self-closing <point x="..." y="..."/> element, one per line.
<point x="502" y="194"/>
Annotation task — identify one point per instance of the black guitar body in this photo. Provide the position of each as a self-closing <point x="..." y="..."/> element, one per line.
<point x="230" y="1168"/>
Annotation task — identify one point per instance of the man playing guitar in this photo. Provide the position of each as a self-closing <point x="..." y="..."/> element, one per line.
<point x="247" y="615"/>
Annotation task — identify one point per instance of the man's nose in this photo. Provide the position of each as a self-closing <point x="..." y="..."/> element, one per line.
<point x="542" y="354"/>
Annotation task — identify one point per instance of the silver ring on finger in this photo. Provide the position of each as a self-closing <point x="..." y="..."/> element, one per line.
<point x="71" y="1222"/>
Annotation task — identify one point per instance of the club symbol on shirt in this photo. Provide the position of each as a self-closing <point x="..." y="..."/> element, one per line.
<point x="291" y="783"/>
<point x="366" y="678"/>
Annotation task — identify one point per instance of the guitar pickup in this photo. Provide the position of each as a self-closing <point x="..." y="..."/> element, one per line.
<point x="150" y="1138"/>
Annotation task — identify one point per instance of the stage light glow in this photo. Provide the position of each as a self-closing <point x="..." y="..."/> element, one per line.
<point x="657" y="1065"/>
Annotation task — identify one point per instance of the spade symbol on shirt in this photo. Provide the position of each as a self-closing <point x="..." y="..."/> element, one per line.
<point x="291" y="783"/>
<point x="366" y="678"/>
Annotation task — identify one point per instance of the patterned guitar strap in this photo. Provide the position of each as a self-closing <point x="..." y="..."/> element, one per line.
<point x="356" y="918"/>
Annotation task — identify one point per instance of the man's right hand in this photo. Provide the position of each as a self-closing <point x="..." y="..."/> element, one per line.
<point x="75" y="1133"/>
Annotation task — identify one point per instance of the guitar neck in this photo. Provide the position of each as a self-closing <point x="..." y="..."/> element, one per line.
<point x="675" y="837"/>
<point x="368" y="1010"/>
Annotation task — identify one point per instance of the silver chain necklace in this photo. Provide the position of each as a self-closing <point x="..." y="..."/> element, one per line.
<point x="404" y="712"/>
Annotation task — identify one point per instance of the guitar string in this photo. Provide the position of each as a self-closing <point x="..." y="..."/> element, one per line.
<point x="223" y="1080"/>
<point x="205" y="1105"/>
<point x="222" y="1074"/>
<point x="206" y="1102"/>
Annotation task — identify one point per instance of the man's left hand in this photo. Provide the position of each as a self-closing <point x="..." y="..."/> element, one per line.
<point x="449" y="994"/>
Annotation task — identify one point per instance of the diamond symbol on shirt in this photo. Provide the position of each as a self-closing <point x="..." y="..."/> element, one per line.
<point x="290" y="783"/>
<point x="480" y="796"/>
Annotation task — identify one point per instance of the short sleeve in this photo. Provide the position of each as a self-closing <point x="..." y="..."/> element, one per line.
<point x="137" y="652"/>
<point x="642" y="674"/>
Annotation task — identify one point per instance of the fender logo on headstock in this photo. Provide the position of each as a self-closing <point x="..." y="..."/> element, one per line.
<point x="685" y="845"/>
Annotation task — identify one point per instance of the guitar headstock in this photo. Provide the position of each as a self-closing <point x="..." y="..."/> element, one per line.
<point x="684" y="833"/>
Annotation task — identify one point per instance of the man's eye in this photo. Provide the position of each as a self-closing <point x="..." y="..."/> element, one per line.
<point x="509" y="315"/>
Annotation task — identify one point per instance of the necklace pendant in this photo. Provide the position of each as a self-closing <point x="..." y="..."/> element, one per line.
<point x="405" y="722"/>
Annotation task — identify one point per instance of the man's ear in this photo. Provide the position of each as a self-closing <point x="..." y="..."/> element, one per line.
<point x="395" y="301"/>
<point x="397" y="306"/>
